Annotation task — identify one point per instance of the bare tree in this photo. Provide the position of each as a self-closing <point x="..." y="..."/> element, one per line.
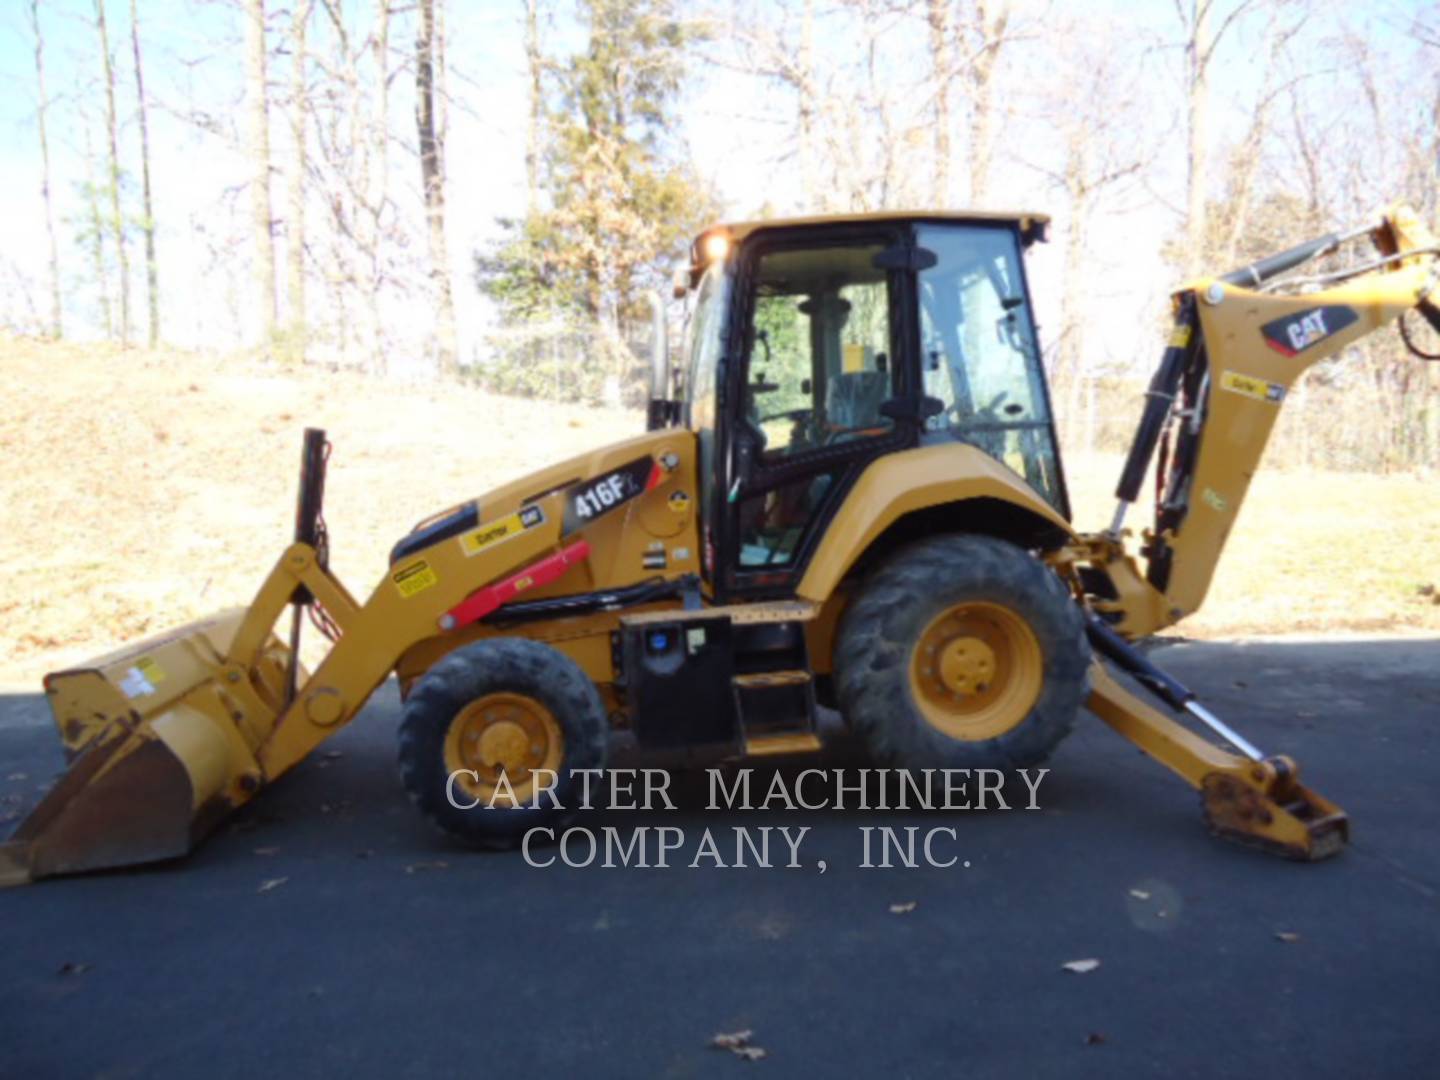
<point x="117" y="222"/>
<point x="1200" y="42"/>
<point x="942" y="67"/>
<point x="534" y="70"/>
<point x="432" y="178"/>
<point x="257" y="114"/>
<point x="56" y="325"/>
<point x="298" y="108"/>
<point x="986" y="30"/>
<point x="152" y="273"/>
<point x="94" y="232"/>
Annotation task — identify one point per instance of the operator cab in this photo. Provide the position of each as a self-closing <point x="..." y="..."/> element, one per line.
<point x="817" y="345"/>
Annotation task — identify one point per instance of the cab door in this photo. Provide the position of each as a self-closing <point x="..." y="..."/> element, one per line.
<point x="814" y="392"/>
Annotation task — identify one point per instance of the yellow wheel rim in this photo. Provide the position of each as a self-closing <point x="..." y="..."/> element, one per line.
<point x="976" y="671"/>
<point x="508" y="734"/>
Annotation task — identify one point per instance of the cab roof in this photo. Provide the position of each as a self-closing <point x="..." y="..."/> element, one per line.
<point x="738" y="230"/>
<point x="1032" y="227"/>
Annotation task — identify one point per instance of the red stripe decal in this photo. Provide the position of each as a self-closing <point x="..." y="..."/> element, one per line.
<point x="656" y="475"/>
<point x="483" y="601"/>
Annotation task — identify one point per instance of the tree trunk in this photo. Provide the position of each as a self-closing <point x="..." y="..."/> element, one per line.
<point x="432" y="178"/>
<point x="258" y="147"/>
<point x="942" y="70"/>
<point x="152" y="273"/>
<point x="97" y="234"/>
<point x="117" y="223"/>
<point x="1197" y="56"/>
<point x="536" y="92"/>
<point x="295" y="188"/>
<point x="56" y="326"/>
<point x="991" y="25"/>
<point x="376" y="187"/>
<point x="1432" y="371"/>
<point x="805" y="90"/>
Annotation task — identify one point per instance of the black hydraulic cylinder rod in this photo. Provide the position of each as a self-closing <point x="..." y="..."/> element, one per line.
<point x="312" y="487"/>
<point x="1158" y="400"/>
<point x="1258" y="273"/>
<point x="307" y="531"/>
<point x="1113" y="647"/>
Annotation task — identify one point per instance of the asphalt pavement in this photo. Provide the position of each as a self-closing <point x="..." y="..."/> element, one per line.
<point x="328" y="931"/>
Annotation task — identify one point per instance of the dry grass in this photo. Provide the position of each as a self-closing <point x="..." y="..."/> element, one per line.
<point x="145" y="489"/>
<point x="1312" y="552"/>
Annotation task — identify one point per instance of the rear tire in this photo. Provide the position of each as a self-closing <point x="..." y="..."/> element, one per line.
<point x="505" y="705"/>
<point x="962" y="652"/>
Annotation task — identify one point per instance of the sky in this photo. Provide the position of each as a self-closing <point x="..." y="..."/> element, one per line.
<point x="192" y="67"/>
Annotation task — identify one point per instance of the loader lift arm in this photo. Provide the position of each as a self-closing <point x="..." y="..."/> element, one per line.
<point x="202" y="718"/>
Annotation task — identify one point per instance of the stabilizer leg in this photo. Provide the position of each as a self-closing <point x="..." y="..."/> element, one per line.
<point x="1260" y="803"/>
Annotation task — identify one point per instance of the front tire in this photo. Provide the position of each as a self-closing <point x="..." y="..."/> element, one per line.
<point x="962" y="652"/>
<point x="504" y="706"/>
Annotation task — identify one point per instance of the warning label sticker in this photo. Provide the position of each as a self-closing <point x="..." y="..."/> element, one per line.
<point x="1252" y="387"/>
<point x="414" y="578"/>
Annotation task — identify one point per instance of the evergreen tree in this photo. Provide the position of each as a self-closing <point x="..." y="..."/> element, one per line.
<point x="619" y="200"/>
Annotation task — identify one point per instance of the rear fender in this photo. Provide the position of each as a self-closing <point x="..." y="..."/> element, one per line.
<point x="951" y="487"/>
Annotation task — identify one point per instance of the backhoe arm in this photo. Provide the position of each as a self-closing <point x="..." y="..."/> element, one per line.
<point x="1239" y="344"/>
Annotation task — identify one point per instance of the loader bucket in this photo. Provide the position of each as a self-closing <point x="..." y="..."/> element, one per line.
<point x="160" y="740"/>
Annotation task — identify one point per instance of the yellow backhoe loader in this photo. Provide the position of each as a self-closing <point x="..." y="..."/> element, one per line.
<point x="849" y="495"/>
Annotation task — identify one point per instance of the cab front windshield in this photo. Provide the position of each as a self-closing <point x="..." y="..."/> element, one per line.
<point x="980" y="363"/>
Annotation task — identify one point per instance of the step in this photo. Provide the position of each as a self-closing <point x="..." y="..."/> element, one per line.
<point x="768" y="680"/>
<point x="779" y="611"/>
<point x="788" y="742"/>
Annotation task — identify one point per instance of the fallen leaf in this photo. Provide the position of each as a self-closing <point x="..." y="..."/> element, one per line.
<point x="266" y="850"/>
<point x="70" y="967"/>
<point x="1080" y="967"/>
<point x="903" y="909"/>
<point x="749" y="1053"/>
<point x="1095" y="1038"/>
<point x="1289" y="937"/>
<point x="416" y="867"/>
<point x="272" y="883"/>
<point x="732" y="1040"/>
<point x="1140" y="894"/>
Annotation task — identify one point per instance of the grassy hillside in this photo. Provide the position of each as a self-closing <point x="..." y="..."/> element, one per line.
<point x="145" y="489"/>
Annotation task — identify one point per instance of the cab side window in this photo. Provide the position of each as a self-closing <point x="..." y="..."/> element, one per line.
<point x="819" y="364"/>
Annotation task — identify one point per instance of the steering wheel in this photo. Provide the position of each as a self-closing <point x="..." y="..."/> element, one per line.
<point x="788" y="414"/>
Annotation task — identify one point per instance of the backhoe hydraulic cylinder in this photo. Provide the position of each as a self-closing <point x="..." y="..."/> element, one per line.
<point x="1158" y="399"/>
<point x="1257" y="273"/>
<point x="1163" y="685"/>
